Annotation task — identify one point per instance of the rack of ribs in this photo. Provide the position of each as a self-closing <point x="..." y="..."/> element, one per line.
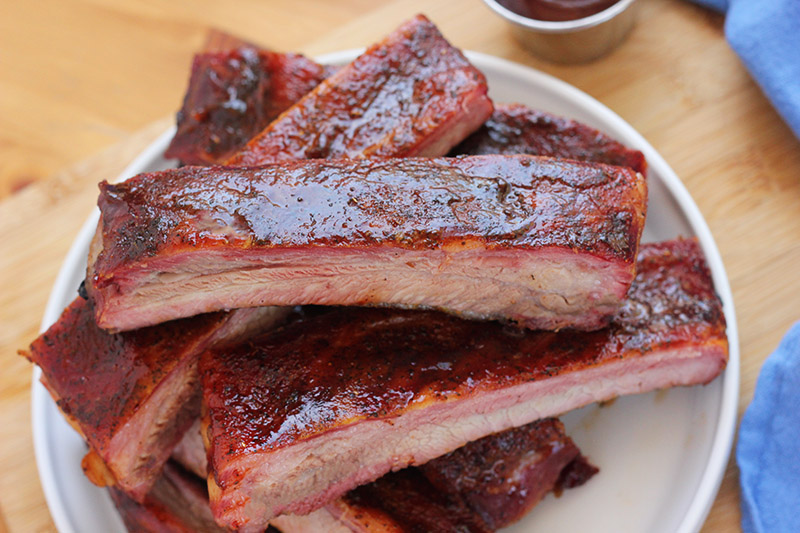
<point x="518" y="129"/>
<point x="133" y="395"/>
<point x="545" y="243"/>
<point x="411" y="94"/>
<point x="233" y="95"/>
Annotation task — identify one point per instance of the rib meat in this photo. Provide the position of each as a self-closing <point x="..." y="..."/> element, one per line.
<point x="501" y="477"/>
<point x="132" y="395"/>
<point x="483" y="486"/>
<point x="190" y="452"/>
<point x="308" y="412"/>
<point x="412" y="94"/>
<point x="402" y="501"/>
<point x="545" y="243"/>
<point x="517" y="129"/>
<point x="235" y="94"/>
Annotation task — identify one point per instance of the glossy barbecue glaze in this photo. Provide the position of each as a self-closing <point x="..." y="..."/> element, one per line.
<point x="483" y="217"/>
<point x="517" y="129"/>
<point x="409" y="203"/>
<point x="235" y="94"/>
<point x="133" y="394"/>
<point x="357" y="392"/>
<point x="410" y="94"/>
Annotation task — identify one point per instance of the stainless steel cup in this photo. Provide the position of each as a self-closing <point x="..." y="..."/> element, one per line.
<point x="572" y="41"/>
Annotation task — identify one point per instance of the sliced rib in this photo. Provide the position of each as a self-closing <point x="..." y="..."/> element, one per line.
<point x="132" y="395"/>
<point x="483" y="486"/>
<point x="302" y="415"/>
<point x="233" y="95"/>
<point x="545" y="243"/>
<point x="412" y="94"/>
<point x="517" y="129"/>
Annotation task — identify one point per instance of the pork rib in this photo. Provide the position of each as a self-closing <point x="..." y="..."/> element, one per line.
<point x="132" y="395"/>
<point x="517" y="129"/>
<point x="233" y="95"/>
<point x="545" y="243"/>
<point x="302" y="415"/>
<point x="483" y="486"/>
<point x="501" y="477"/>
<point x="412" y="94"/>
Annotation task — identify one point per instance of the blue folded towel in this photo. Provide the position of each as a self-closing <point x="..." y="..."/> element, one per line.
<point x="766" y="35"/>
<point x="768" y="453"/>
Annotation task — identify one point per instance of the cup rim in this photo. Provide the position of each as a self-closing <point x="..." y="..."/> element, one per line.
<point x="560" y="26"/>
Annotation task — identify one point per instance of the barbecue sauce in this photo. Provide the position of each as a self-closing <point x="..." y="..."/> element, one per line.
<point x="556" y="10"/>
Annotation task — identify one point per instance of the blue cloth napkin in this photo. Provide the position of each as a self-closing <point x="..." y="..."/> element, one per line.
<point x="768" y="453"/>
<point x="766" y="35"/>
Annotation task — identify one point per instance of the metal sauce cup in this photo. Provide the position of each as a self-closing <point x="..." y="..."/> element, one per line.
<point x="572" y="41"/>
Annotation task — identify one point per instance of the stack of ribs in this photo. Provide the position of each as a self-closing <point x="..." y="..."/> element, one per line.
<point x="363" y="298"/>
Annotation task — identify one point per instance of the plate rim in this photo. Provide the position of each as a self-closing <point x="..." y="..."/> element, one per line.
<point x="720" y="450"/>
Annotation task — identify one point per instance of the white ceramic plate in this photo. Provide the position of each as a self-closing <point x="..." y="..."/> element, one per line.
<point x="661" y="455"/>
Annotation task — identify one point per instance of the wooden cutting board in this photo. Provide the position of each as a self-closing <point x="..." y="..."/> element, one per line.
<point x="675" y="80"/>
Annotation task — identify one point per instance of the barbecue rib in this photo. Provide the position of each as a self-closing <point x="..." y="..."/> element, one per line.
<point x="545" y="243"/>
<point x="411" y="94"/>
<point x="483" y="486"/>
<point x="235" y="94"/>
<point x="132" y="395"/>
<point x="308" y="412"/>
<point x="501" y="477"/>
<point x="517" y="129"/>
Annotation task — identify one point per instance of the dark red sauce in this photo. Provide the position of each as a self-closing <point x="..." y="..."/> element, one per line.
<point x="556" y="10"/>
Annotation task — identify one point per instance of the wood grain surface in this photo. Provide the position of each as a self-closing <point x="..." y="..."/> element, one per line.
<point x="86" y="84"/>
